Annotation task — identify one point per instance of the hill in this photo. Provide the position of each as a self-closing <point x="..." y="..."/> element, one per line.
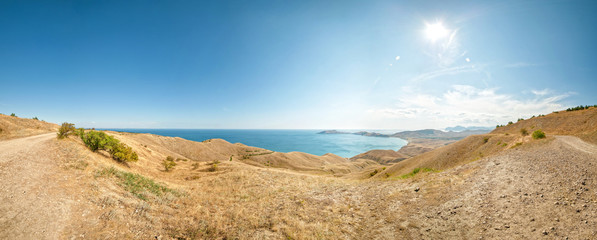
<point x="16" y="127"/>
<point x="436" y="134"/>
<point x="419" y="142"/>
<point x="581" y="123"/>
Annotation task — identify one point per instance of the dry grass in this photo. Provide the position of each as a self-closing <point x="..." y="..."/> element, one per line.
<point x="581" y="123"/>
<point x="15" y="127"/>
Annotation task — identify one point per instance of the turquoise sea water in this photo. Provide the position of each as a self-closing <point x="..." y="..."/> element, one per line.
<point x="344" y="145"/>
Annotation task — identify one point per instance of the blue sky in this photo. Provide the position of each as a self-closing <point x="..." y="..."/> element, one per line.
<point x="295" y="64"/>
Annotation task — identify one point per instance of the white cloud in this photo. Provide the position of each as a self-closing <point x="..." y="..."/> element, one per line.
<point x="464" y="105"/>
<point x="468" y="60"/>
<point x="397" y="58"/>
<point x="443" y="72"/>
<point x="541" y="92"/>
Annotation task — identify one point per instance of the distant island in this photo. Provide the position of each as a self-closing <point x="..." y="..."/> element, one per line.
<point x="362" y="133"/>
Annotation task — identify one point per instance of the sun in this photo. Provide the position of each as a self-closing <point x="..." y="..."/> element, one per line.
<point x="436" y="31"/>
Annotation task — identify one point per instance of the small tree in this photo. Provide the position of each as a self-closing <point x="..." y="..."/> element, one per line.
<point x="35" y="118"/>
<point x="169" y="163"/>
<point x="13" y="115"/>
<point x="538" y="134"/>
<point x="65" y="130"/>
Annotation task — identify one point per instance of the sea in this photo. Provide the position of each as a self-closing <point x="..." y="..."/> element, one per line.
<point x="309" y="141"/>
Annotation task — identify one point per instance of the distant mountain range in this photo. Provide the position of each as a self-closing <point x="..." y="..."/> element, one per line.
<point x="424" y="133"/>
<point x="461" y="128"/>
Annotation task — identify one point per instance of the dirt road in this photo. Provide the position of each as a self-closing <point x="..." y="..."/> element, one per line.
<point x="33" y="201"/>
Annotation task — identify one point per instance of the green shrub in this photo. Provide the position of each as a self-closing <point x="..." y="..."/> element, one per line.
<point x="520" y="119"/>
<point x="373" y="173"/>
<point x="65" y="130"/>
<point x="97" y="140"/>
<point x="35" y="118"/>
<point x="80" y="132"/>
<point x="485" y="139"/>
<point x="510" y="123"/>
<point x="538" y="134"/>
<point x="123" y="153"/>
<point x="169" y="163"/>
<point x="13" y="115"/>
<point x="524" y="131"/>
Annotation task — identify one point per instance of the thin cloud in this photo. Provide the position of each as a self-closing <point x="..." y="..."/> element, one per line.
<point x="444" y="72"/>
<point x="445" y="53"/>
<point x="541" y="92"/>
<point x="465" y="105"/>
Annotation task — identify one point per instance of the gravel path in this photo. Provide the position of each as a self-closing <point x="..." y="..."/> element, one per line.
<point x="547" y="192"/>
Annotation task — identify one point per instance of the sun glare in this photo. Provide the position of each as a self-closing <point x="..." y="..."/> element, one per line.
<point x="436" y="31"/>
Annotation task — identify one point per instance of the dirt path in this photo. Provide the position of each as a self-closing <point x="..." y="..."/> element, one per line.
<point x="33" y="203"/>
<point x="547" y="191"/>
<point x="578" y="144"/>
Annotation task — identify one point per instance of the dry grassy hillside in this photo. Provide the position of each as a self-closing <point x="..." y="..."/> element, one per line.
<point x="381" y="156"/>
<point x="581" y="123"/>
<point x="15" y="127"/>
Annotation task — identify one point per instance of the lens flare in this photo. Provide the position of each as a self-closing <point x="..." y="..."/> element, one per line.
<point x="436" y="31"/>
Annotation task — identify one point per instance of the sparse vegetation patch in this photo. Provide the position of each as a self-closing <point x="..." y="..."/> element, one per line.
<point x="136" y="184"/>
<point x="538" y="134"/>
<point x="169" y="164"/>
<point x="524" y="132"/>
<point x="581" y="107"/>
<point x="417" y="170"/>
<point x="517" y="144"/>
<point x="214" y="166"/>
